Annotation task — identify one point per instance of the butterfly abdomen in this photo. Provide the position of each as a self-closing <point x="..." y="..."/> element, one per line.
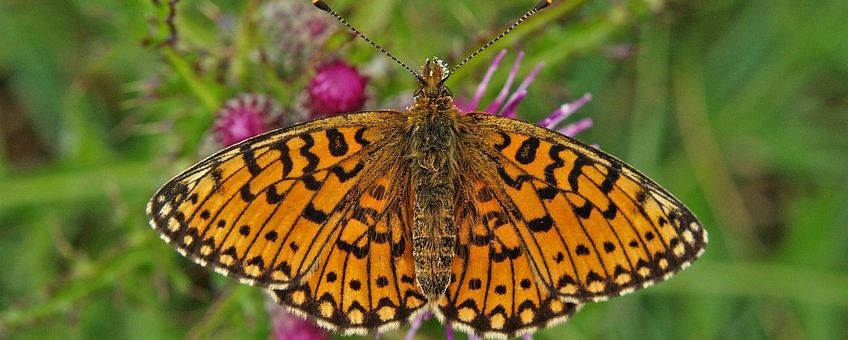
<point x="432" y="154"/>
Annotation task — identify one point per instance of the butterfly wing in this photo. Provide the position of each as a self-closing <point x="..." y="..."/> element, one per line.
<point x="266" y="209"/>
<point x="592" y="226"/>
<point x="366" y="280"/>
<point x="494" y="291"/>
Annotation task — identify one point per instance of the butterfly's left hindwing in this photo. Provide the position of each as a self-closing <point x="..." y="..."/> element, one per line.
<point x="593" y="227"/>
<point x="494" y="292"/>
<point x="367" y="280"/>
<point x="256" y="210"/>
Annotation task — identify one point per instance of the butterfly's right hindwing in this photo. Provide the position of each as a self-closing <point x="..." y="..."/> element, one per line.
<point x="256" y="210"/>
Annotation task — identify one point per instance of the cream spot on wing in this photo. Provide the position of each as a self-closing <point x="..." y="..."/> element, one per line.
<point x="527" y="316"/>
<point x="466" y="314"/>
<point x="252" y="270"/>
<point x="688" y="237"/>
<point x="386" y="313"/>
<point x="173" y="225"/>
<point x="226" y="260"/>
<point x="298" y="297"/>
<point x="278" y="275"/>
<point x="326" y="309"/>
<point x="595" y="287"/>
<point x="568" y="289"/>
<point x="679" y="250"/>
<point x="556" y="306"/>
<point x="622" y="279"/>
<point x="166" y="209"/>
<point x="497" y="321"/>
<point x="356" y="317"/>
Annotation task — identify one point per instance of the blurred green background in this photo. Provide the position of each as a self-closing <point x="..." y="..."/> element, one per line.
<point x="738" y="107"/>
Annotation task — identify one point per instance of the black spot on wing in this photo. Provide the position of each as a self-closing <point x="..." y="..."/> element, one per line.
<point x="504" y="253"/>
<point x="613" y="174"/>
<point x="336" y="142"/>
<point x="359" y="137"/>
<point x="358" y="252"/>
<point x="245" y="193"/>
<point x="249" y="160"/>
<point x="494" y="219"/>
<point x="576" y="171"/>
<point x="557" y="163"/>
<point x="311" y="182"/>
<point x="399" y="248"/>
<point x="285" y="158"/>
<point x="315" y="215"/>
<point x="513" y="182"/>
<point x="547" y="193"/>
<point x="611" y="211"/>
<point x="526" y="152"/>
<point x="367" y="216"/>
<point x="541" y="224"/>
<point x="584" y="211"/>
<point x="346" y="175"/>
<point x="256" y="261"/>
<point x="506" y="141"/>
<point x="274" y="197"/>
<point x="311" y="159"/>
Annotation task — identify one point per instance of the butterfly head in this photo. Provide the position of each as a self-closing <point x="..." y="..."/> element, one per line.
<point x="432" y="78"/>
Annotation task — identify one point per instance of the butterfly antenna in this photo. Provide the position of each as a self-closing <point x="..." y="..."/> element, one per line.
<point x="541" y="5"/>
<point x="326" y="8"/>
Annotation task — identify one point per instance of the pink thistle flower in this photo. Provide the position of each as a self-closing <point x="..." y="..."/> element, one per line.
<point x="507" y="101"/>
<point x="336" y="88"/>
<point x="287" y="326"/>
<point x="294" y="32"/>
<point x="245" y="116"/>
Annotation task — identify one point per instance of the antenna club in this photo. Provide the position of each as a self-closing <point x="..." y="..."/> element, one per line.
<point x="322" y="5"/>
<point x="542" y="4"/>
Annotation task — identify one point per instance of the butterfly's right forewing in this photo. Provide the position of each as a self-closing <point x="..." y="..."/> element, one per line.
<point x="259" y="210"/>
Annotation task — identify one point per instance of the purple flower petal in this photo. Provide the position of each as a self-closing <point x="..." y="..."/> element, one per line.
<point x="481" y="88"/>
<point x="511" y="105"/>
<point x="521" y="92"/>
<point x="449" y="331"/>
<point x="416" y="323"/>
<point x="496" y="104"/>
<point x="574" y="128"/>
<point x="564" y="111"/>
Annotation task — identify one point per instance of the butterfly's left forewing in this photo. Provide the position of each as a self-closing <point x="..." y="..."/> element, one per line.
<point x="259" y="210"/>
<point x="593" y="227"/>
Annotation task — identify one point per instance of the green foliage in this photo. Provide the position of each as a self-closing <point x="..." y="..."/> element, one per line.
<point x="738" y="107"/>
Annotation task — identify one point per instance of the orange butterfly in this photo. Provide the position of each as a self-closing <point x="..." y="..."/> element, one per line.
<point x="365" y="220"/>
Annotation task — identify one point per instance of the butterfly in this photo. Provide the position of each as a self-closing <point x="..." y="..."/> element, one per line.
<point x="365" y="220"/>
